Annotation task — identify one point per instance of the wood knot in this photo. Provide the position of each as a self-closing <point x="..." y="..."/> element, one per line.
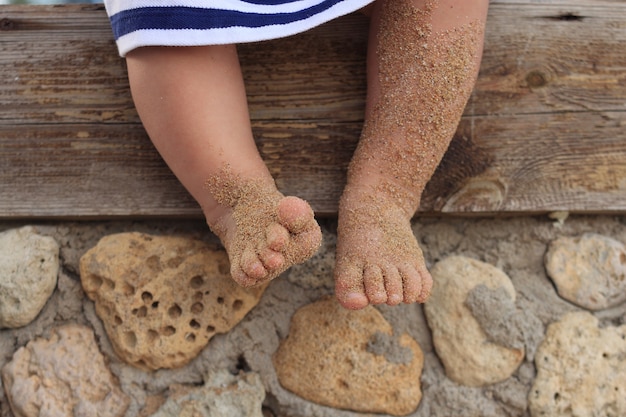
<point x="569" y="17"/>
<point x="7" y="24"/>
<point x="477" y="195"/>
<point x="536" y="79"/>
<point x="566" y="17"/>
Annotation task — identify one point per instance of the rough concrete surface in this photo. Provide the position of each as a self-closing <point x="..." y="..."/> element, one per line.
<point x="516" y="246"/>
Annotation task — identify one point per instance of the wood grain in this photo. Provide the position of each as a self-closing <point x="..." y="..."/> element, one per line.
<point x="544" y="129"/>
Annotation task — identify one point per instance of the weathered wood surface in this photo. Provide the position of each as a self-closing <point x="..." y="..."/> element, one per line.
<point x="545" y="129"/>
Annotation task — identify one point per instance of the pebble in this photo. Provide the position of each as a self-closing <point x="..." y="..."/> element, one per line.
<point x="470" y="356"/>
<point x="223" y="395"/>
<point x="62" y="376"/>
<point x="581" y="369"/>
<point x="589" y="271"/>
<point x="29" y="266"/>
<point x="350" y="360"/>
<point x="162" y="298"/>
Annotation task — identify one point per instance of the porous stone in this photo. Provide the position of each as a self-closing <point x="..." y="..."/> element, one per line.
<point x="162" y="298"/>
<point x="223" y="395"/>
<point x="581" y="370"/>
<point x="63" y="376"/>
<point x="350" y="360"/>
<point x="589" y="271"/>
<point x="29" y="266"/>
<point x="470" y="356"/>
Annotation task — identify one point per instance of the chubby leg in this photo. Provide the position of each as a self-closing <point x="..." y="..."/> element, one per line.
<point x="193" y="105"/>
<point x="423" y="59"/>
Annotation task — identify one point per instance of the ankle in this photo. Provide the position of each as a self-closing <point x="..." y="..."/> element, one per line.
<point x="217" y="218"/>
<point x="382" y="196"/>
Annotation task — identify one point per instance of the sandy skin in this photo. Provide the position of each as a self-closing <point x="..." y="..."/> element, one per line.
<point x="263" y="231"/>
<point x="193" y="105"/>
<point x="422" y="64"/>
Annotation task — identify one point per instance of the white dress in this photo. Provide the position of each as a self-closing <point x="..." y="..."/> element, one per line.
<point x="139" y="23"/>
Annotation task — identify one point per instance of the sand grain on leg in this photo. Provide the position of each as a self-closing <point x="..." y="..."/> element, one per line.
<point x="263" y="231"/>
<point x="419" y="80"/>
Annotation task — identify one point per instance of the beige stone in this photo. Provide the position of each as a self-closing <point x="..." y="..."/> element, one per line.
<point x="350" y="360"/>
<point x="222" y="395"/>
<point x="581" y="370"/>
<point x="162" y="298"/>
<point x="469" y="356"/>
<point x="589" y="270"/>
<point x="63" y="376"/>
<point x="29" y="266"/>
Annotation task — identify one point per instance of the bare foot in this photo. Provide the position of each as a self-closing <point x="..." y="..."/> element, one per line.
<point x="378" y="258"/>
<point x="263" y="231"/>
<point x="423" y="58"/>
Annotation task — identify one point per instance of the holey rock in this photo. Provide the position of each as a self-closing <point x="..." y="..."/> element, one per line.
<point x="350" y="360"/>
<point x="469" y="356"/>
<point x="581" y="370"/>
<point x="162" y="298"/>
<point x="63" y="376"/>
<point x="29" y="266"/>
<point x="589" y="270"/>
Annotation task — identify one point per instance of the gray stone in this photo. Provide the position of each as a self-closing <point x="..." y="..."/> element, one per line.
<point x="63" y="376"/>
<point x="581" y="370"/>
<point x="389" y="346"/>
<point x="500" y="328"/>
<point x="470" y="357"/>
<point x="29" y="266"/>
<point x="223" y="395"/>
<point x="589" y="270"/>
<point x="505" y="322"/>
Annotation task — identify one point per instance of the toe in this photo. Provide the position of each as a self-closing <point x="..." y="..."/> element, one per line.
<point x="411" y="283"/>
<point x="349" y="288"/>
<point x="393" y="285"/>
<point x="272" y="261"/>
<point x="252" y="266"/>
<point x="427" y="286"/>
<point x="240" y="277"/>
<point x="304" y="245"/>
<point x="277" y="237"/>
<point x="374" y="284"/>
<point x="295" y="214"/>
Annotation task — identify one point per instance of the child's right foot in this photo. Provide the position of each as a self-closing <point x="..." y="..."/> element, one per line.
<point x="263" y="231"/>
<point x="378" y="257"/>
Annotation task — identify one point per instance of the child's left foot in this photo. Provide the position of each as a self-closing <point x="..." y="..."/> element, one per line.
<point x="378" y="258"/>
<point x="263" y="231"/>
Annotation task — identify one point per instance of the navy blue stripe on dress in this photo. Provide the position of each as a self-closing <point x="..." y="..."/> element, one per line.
<point x="181" y="17"/>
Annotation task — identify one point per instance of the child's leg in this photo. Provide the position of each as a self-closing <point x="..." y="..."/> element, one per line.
<point x="422" y="63"/>
<point x="193" y="105"/>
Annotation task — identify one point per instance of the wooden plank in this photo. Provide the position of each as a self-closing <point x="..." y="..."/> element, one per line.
<point x="553" y="58"/>
<point x="534" y="163"/>
<point x="544" y="129"/>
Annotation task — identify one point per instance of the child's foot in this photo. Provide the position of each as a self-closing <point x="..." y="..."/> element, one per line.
<point x="378" y="258"/>
<point x="263" y="231"/>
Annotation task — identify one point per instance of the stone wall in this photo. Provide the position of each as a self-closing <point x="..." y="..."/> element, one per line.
<point x="527" y="318"/>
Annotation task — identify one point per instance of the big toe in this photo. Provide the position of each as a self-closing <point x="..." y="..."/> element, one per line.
<point x="349" y="288"/>
<point x="296" y="215"/>
<point x="305" y="235"/>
